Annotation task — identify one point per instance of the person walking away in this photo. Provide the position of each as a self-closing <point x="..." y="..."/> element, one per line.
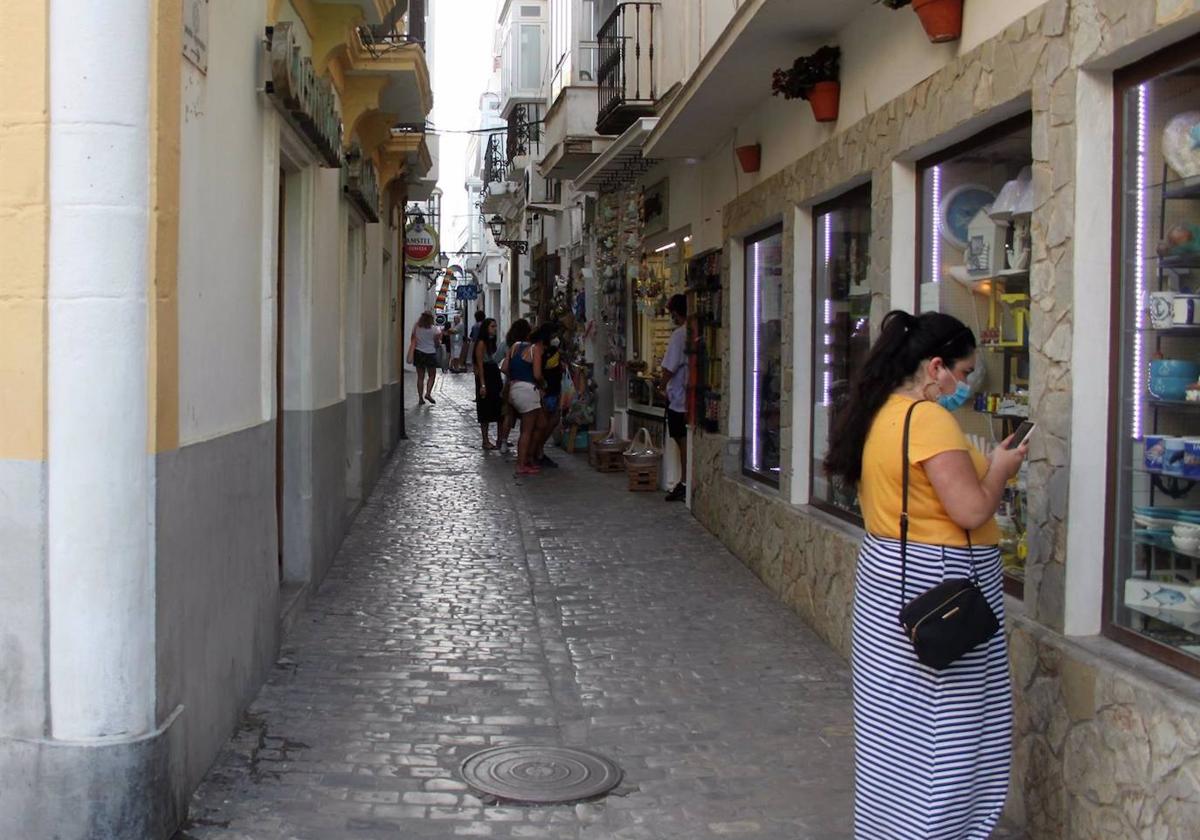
<point x="932" y="748"/>
<point x="469" y="350"/>
<point x="518" y="331"/>
<point x="524" y="364"/>
<point x="552" y="372"/>
<point x="489" y="384"/>
<point x="444" y="349"/>
<point x="456" y="345"/>
<point x="422" y="351"/>
<point x="674" y="383"/>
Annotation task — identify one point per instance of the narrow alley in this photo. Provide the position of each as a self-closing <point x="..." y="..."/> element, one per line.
<point x="467" y="610"/>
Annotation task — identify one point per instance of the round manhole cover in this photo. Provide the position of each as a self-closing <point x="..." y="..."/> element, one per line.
<point x="540" y="775"/>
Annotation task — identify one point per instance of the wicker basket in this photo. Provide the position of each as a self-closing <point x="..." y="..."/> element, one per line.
<point x="610" y="460"/>
<point x="643" y="479"/>
<point x="593" y="439"/>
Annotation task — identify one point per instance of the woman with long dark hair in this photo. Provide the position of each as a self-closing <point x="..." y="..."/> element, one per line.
<point x="489" y="384"/>
<point x="525" y="386"/>
<point x="932" y="748"/>
<point x="519" y="330"/>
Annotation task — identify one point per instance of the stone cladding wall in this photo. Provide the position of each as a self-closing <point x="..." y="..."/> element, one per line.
<point x="1107" y="742"/>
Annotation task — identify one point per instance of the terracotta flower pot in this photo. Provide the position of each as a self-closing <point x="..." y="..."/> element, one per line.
<point x="823" y="97"/>
<point x="942" y="19"/>
<point x="750" y="157"/>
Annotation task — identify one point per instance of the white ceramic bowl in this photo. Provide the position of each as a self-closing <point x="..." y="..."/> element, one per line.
<point x="1186" y="543"/>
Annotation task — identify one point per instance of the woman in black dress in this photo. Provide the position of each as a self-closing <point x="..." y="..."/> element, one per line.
<point x="489" y="385"/>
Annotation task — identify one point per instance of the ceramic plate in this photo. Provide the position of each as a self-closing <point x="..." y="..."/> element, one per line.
<point x="959" y="208"/>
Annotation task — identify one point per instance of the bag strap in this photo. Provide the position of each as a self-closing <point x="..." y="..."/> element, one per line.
<point x="904" y="470"/>
<point x="904" y="508"/>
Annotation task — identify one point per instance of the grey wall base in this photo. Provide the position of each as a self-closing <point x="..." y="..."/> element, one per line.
<point x="56" y="790"/>
<point x="364" y="443"/>
<point x="314" y="491"/>
<point x="217" y="581"/>
<point x="392" y="408"/>
<point x="23" y="617"/>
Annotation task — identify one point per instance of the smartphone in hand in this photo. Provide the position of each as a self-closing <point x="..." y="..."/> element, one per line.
<point x="1023" y="431"/>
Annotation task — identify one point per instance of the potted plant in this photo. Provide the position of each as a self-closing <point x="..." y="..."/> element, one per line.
<point x="942" y="19"/>
<point x="815" y="78"/>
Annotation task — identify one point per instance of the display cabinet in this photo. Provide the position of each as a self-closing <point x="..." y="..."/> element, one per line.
<point x="1153" y="568"/>
<point x="704" y="311"/>
<point x="842" y="329"/>
<point x="976" y="208"/>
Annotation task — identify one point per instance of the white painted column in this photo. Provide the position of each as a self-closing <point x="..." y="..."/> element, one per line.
<point x="804" y="341"/>
<point x="1089" y="463"/>
<point x="101" y="565"/>
<point x="903" y="269"/>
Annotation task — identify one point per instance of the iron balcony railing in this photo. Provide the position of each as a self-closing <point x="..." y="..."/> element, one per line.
<point x="524" y="132"/>
<point x="627" y="79"/>
<point x="404" y="25"/>
<point x="494" y="164"/>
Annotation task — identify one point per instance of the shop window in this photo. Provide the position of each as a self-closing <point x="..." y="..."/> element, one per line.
<point x="1153" y="567"/>
<point x="842" y="329"/>
<point x="975" y="249"/>
<point x="661" y="274"/>
<point x="763" y="396"/>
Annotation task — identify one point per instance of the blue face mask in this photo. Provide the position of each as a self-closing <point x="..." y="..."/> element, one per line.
<point x="958" y="399"/>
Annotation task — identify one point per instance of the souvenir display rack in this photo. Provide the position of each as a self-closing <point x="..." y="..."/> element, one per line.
<point x="704" y="309"/>
<point x="1154" y="569"/>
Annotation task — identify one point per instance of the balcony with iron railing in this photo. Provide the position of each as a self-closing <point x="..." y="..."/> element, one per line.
<point x="523" y="141"/>
<point x="627" y="70"/>
<point x="403" y="26"/>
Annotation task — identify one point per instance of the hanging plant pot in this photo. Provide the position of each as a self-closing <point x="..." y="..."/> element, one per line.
<point x="750" y="157"/>
<point x="942" y="19"/>
<point x="824" y="97"/>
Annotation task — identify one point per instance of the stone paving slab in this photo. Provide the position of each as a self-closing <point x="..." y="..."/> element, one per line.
<point x="468" y="610"/>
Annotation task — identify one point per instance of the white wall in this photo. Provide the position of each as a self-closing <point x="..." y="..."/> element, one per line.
<point x="221" y="231"/>
<point x="372" y="301"/>
<point x="877" y="38"/>
<point x="325" y="304"/>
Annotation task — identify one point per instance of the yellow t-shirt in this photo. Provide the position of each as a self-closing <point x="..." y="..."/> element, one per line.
<point x="934" y="431"/>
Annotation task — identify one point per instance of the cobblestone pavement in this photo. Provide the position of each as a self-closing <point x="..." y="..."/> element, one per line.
<point x="467" y="610"/>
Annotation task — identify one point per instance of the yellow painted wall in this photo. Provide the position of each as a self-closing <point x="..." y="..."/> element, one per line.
<point x="24" y="226"/>
<point x="165" y="131"/>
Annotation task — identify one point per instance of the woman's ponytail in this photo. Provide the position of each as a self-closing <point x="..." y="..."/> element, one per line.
<point x="905" y="340"/>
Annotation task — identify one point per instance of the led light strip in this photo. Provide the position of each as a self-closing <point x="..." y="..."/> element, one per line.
<point x="755" y="316"/>
<point x="935" y="234"/>
<point x="826" y="261"/>
<point x="1139" y="268"/>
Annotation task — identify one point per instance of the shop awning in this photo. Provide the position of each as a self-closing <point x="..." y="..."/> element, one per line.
<point x="621" y="163"/>
<point x="734" y="78"/>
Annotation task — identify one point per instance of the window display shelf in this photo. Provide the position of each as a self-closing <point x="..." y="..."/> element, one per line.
<point x="1173" y="188"/>
<point x="1181" y="330"/>
<point x="1174" y="405"/>
<point x="1173" y="263"/>
<point x="1162" y="541"/>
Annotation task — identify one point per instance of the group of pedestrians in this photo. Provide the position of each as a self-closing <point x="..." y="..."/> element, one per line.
<point x="518" y="382"/>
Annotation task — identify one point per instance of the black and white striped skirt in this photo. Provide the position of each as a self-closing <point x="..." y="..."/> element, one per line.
<point x="932" y="749"/>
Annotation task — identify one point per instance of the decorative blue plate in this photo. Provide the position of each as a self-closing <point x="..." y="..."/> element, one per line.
<point x="959" y="207"/>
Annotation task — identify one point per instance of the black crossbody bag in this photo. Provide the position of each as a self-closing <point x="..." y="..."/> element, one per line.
<point x="950" y="619"/>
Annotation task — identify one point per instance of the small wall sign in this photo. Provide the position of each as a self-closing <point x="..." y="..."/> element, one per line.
<point x="195" y="33"/>
<point x="420" y="244"/>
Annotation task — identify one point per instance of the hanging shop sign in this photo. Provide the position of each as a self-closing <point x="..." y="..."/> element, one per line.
<point x="420" y="244"/>
<point x="195" y="33"/>
<point x="360" y="183"/>
<point x="305" y="100"/>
